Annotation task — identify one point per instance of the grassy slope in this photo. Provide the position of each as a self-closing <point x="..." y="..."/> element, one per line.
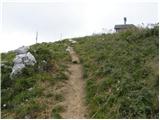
<point x="32" y="94"/>
<point x="121" y="73"/>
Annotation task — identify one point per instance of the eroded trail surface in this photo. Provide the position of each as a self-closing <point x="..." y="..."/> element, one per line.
<point x="74" y="94"/>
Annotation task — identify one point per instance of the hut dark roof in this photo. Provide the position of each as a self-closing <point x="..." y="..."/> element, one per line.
<point x="123" y="26"/>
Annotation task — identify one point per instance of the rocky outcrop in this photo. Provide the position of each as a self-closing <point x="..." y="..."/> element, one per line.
<point x="22" y="50"/>
<point x="74" y="57"/>
<point x="22" y="59"/>
<point x="72" y="41"/>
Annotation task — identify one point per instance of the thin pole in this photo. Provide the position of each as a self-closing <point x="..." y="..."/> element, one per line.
<point x="36" y="37"/>
<point x="125" y="20"/>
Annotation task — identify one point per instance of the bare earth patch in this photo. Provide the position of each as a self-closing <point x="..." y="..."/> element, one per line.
<point x="74" y="91"/>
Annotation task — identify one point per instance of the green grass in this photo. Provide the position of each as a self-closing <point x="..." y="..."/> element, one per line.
<point x="8" y="57"/>
<point x="55" y="96"/>
<point x="120" y="70"/>
<point x="56" y="110"/>
<point x="18" y="93"/>
<point x="121" y="73"/>
<point x="29" y="110"/>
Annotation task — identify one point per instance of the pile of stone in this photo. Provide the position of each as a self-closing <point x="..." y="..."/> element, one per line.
<point x="73" y="55"/>
<point x="72" y="41"/>
<point x="69" y="49"/>
<point x="22" y="59"/>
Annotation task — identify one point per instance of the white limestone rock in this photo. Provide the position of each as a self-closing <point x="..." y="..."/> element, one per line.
<point x="22" y="59"/>
<point x="68" y="49"/>
<point x="22" y="50"/>
<point x="72" y="41"/>
<point x="17" y="59"/>
<point x="29" y="59"/>
<point x="17" y="68"/>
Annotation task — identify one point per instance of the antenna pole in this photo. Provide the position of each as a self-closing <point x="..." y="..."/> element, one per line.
<point x="36" y="37"/>
<point x="125" y="20"/>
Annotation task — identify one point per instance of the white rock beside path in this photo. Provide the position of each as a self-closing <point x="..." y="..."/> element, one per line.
<point x="29" y="59"/>
<point x="22" y="59"/>
<point x="72" y="41"/>
<point x="17" y="69"/>
<point x="74" y="57"/>
<point x="22" y="50"/>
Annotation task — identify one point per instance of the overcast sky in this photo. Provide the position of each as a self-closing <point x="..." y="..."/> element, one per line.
<point x="59" y="20"/>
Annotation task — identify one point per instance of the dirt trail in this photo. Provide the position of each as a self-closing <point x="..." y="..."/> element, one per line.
<point x="74" y="94"/>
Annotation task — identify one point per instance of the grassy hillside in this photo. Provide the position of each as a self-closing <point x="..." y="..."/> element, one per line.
<point x="33" y="94"/>
<point x="121" y="73"/>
